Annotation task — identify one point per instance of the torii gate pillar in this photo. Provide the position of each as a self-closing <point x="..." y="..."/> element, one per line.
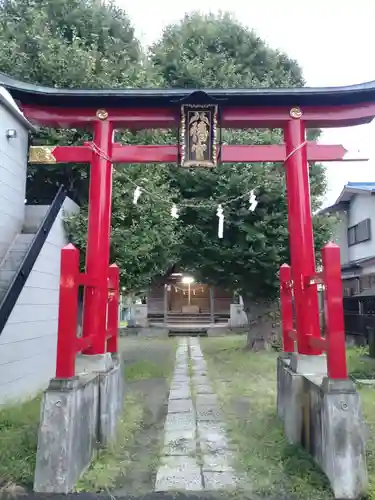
<point x="98" y="234"/>
<point x="301" y="233"/>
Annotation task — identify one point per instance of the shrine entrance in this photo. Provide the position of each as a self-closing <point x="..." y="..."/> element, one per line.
<point x="179" y="298"/>
<point x="316" y="401"/>
<point x="185" y="297"/>
<point x="198" y="116"/>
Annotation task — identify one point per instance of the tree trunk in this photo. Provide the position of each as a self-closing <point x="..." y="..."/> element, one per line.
<point x="260" y="323"/>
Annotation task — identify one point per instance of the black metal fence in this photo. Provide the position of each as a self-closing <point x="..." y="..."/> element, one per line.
<point x="359" y="317"/>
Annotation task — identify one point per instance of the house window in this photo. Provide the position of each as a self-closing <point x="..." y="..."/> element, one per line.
<point x="365" y="282"/>
<point x="359" y="233"/>
<point x="351" y="236"/>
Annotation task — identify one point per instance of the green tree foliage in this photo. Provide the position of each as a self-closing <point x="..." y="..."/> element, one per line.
<point x="144" y="237"/>
<point x="86" y="43"/>
<point x="67" y="43"/>
<point x="216" y="51"/>
<point x="83" y="44"/>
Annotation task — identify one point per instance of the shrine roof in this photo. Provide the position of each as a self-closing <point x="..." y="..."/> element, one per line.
<point x="28" y="93"/>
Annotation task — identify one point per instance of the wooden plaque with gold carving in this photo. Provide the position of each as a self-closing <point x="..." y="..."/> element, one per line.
<point x="199" y="135"/>
<point x="42" y="154"/>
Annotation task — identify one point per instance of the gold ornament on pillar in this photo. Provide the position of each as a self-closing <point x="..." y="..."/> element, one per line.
<point x="295" y="112"/>
<point x="102" y="114"/>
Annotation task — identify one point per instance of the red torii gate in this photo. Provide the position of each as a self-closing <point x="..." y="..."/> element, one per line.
<point x="103" y="111"/>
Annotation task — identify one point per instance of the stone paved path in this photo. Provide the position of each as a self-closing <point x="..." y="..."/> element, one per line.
<point x="196" y="455"/>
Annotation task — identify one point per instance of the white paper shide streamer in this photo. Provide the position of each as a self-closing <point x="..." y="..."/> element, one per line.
<point x="220" y="214"/>
<point x="137" y="194"/>
<point x="174" y="212"/>
<point x="252" y="201"/>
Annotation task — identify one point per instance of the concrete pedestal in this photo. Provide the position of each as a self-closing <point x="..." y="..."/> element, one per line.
<point x="308" y="365"/>
<point x="289" y="397"/>
<point x="290" y="389"/>
<point x="336" y="435"/>
<point x="77" y="415"/>
<point x="324" y="416"/>
<point x="67" y="433"/>
<point x="93" y="363"/>
<point x="111" y="401"/>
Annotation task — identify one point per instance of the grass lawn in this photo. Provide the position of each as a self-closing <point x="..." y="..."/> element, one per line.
<point x="368" y="407"/>
<point x="362" y="367"/>
<point x="246" y="386"/>
<point x="18" y="443"/>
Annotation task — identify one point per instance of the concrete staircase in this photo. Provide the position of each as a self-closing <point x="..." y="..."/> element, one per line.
<point x="34" y="215"/>
<point x="188" y="319"/>
<point x="13" y="260"/>
<point x="181" y="324"/>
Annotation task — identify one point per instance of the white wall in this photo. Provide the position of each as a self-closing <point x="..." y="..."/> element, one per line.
<point x="340" y="236"/>
<point x="13" y="164"/>
<point x="28" y="341"/>
<point x="33" y="215"/>
<point x="368" y="269"/>
<point x="362" y="207"/>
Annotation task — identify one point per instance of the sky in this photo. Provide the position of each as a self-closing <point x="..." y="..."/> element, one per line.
<point x="332" y="40"/>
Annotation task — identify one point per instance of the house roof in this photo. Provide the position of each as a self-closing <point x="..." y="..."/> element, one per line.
<point x="368" y="292"/>
<point x="353" y="188"/>
<point x="359" y="263"/>
<point x="7" y="100"/>
<point x="29" y="93"/>
<point x="350" y="190"/>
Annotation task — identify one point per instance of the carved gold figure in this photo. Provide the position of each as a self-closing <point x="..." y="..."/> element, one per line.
<point x="198" y="135"/>
<point x="199" y="132"/>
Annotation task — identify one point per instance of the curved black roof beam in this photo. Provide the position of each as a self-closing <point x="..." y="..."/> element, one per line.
<point x="28" y="93"/>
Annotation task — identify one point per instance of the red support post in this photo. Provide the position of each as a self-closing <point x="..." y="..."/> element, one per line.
<point x="286" y="303"/>
<point x="68" y="312"/>
<point x="113" y="306"/>
<point x="98" y="238"/>
<point x="301" y="234"/>
<point x="334" y="312"/>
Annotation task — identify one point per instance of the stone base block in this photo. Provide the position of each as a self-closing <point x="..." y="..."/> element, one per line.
<point x="308" y="365"/>
<point x="334" y="434"/>
<point x="289" y="397"/>
<point x="111" y="401"/>
<point x="93" y="363"/>
<point x="283" y="361"/>
<point x="67" y="433"/>
<point x="324" y="416"/>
